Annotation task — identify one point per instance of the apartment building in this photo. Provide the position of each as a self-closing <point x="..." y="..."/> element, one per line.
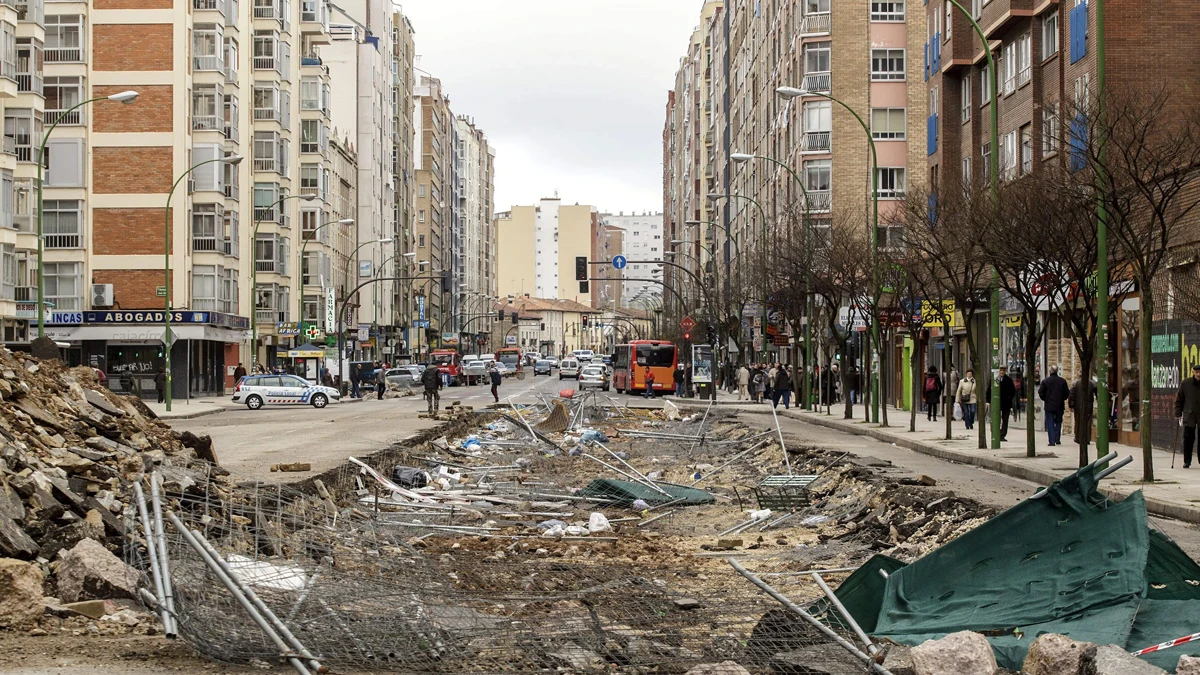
<point x="476" y="243"/>
<point x="538" y="245"/>
<point x="643" y="239"/>
<point x="432" y="155"/>
<point x="403" y="171"/>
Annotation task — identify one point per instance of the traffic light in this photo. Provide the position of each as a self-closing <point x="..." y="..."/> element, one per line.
<point x="501" y="313"/>
<point x="543" y="326"/>
<point x="687" y="336"/>
<point x="581" y="268"/>
<point x="516" y="318"/>
<point x="585" y="320"/>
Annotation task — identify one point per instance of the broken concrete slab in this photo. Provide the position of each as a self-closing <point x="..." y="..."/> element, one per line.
<point x="20" y="593"/>
<point x="1113" y="660"/>
<point x="101" y="402"/>
<point x="1052" y="654"/>
<point x="14" y="542"/>
<point x="89" y="571"/>
<point x="962" y="653"/>
<point x="1188" y="665"/>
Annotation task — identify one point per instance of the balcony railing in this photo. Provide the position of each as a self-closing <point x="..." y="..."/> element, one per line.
<point x="308" y="148"/>
<point x="231" y="73"/>
<point x="207" y="123"/>
<point x="231" y="133"/>
<point x="232" y="191"/>
<point x="204" y="244"/>
<point x="268" y="115"/>
<point x="264" y="63"/>
<point x="818" y="81"/>
<point x="271" y="316"/>
<point x="815" y="23"/>
<point x="69" y="119"/>
<point x="62" y="240"/>
<point x="28" y="83"/>
<point x="209" y="62"/>
<point x="26" y="294"/>
<point x="266" y="164"/>
<point x="816" y="141"/>
<point x="310" y="60"/>
<point x="229" y="247"/>
<point x="309" y="190"/>
<point x="820" y="201"/>
<point x="24" y="152"/>
<point x="265" y="11"/>
<point x="206" y="4"/>
<point x="8" y="70"/>
<point x="10" y="145"/>
<point x="62" y="55"/>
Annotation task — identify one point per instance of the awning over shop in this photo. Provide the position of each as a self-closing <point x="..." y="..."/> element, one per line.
<point x="306" y="351"/>
<point x="145" y="333"/>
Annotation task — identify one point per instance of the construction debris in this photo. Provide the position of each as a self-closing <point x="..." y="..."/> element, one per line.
<point x="292" y="467"/>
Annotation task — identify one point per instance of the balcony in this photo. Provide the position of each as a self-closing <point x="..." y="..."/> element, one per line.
<point x="206" y="4"/>
<point x="229" y="247"/>
<point x="62" y="55"/>
<point x="818" y="81"/>
<point x="205" y="244"/>
<point x="267" y="9"/>
<point x="10" y="145"/>
<point x="28" y="83"/>
<point x="231" y="132"/>
<point x="816" y="23"/>
<point x="310" y="61"/>
<point x="72" y="118"/>
<point x="268" y="115"/>
<point x="31" y="10"/>
<point x="271" y="316"/>
<point x="26" y="294"/>
<point x="820" y="201"/>
<point x="816" y="141"/>
<point x="212" y="62"/>
<point x="266" y="164"/>
<point x="62" y="240"/>
<point x="207" y="123"/>
<point x="264" y="62"/>
<point x="231" y="73"/>
<point x="8" y="70"/>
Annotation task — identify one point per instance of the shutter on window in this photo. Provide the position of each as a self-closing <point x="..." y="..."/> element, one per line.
<point x="208" y="176"/>
<point x="66" y="163"/>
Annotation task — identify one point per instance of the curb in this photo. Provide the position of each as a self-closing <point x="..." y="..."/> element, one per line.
<point x="190" y="416"/>
<point x="1154" y="505"/>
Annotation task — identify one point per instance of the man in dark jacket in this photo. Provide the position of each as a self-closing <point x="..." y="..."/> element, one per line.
<point x="782" y="388"/>
<point x="160" y="384"/>
<point x="432" y="380"/>
<point x="1054" y="392"/>
<point x="1187" y="411"/>
<point x="239" y="373"/>
<point x="1008" y="394"/>
<point x="494" y="376"/>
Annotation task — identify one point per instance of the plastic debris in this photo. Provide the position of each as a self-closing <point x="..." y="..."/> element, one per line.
<point x="593" y="436"/>
<point x="598" y="523"/>
<point x="640" y="505"/>
<point x="551" y="524"/>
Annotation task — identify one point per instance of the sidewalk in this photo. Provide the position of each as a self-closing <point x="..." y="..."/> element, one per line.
<point x="189" y="408"/>
<point x="1175" y="493"/>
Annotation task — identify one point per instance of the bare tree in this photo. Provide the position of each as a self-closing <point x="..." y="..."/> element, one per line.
<point x="943" y="234"/>
<point x="900" y="309"/>
<point x="1141" y="160"/>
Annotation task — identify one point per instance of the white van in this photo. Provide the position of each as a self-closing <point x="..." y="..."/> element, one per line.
<point x="569" y="368"/>
<point x="583" y="354"/>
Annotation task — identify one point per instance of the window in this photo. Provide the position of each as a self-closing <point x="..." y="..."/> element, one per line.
<point x="62" y="223"/>
<point x="1079" y="28"/>
<point x="62" y="284"/>
<point x="64" y="38"/>
<point x="887" y="65"/>
<point x="208" y="47"/>
<point x="207" y="108"/>
<point x="1050" y="35"/>
<point x="890" y="236"/>
<point x="1026" y="137"/>
<point x="29" y="65"/>
<point x="23" y="126"/>
<point x="230" y="240"/>
<point x="1083" y="94"/>
<point x="949" y="18"/>
<point x="985" y="86"/>
<point x="1008" y="160"/>
<point x="421" y="216"/>
<point x="8" y="272"/>
<point x="230" y="118"/>
<point x="1008" y="65"/>
<point x="816" y="66"/>
<point x="421" y="190"/>
<point x="268" y="103"/>
<point x="62" y="94"/>
<point x="818" y="175"/>
<point x="310" y="136"/>
<point x="986" y="166"/>
<point x="882" y="10"/>
<point x="977" y="8"/>
<point x="891" y="182"/>
<point x="1024" y="59"/>
<point x="966" y="176"/>
<point x="310" y="179"/>
<point x="888" y="124"/>
<point x="310" y="93"/>
<point x="421" y="240"/>
<point x="267" y="151"/>
<point x="205" y="228"/>
<point x="229" y="291"/>
<point x="818" y="123"/>
<point x="205" y="284"/>
<point x="1050" y="128"/>
<point x="965" y="94"/>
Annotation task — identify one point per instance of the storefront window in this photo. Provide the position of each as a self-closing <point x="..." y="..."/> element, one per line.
<point x="131" y="368"/>
<point x="1129" y="399"/>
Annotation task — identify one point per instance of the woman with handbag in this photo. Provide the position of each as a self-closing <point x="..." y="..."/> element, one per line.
<point x="967" y="398"/>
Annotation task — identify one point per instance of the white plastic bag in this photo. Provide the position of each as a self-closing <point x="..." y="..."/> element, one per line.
<point x="598" y="523"/>
<point x="957" y="410"/>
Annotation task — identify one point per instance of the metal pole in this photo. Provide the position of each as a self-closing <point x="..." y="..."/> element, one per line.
<point x="160" y="540"/>
<point x="156" y="571"/>
<point x="837" y="603"/>
<point x="1102" y="309"/>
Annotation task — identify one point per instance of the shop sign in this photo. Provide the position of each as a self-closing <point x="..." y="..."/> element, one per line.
<point x="160" y="316"/>
<point x="933" y="312"/>
<point x="287" y="328"/>
<point x="26" y="310"/>
<point x="510" y="339"/>
<point x="65" y="318"/>
<point x="330" y="310"/>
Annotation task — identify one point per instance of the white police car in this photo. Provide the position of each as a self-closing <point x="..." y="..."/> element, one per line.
<point x="259" y="390"/>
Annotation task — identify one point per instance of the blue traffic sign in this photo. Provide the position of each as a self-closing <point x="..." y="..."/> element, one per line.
<point x="619" y="262"/>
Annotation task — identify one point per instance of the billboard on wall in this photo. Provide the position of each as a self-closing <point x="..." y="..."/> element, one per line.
<point x="1174" y="348"/>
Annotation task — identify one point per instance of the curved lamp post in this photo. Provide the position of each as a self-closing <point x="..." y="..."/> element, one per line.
<point x="254" y="271"/>
<point x="712" y="197"/>
<point x="121" y="97"/>
<point x="303" y="247"/>
<point x="167" y="341"/>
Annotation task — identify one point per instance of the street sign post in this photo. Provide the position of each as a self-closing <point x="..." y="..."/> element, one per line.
<point x="619" y="262"/>
<point x="687" y="324"/>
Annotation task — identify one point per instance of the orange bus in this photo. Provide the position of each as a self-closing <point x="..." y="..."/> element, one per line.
<point x="510" y="357"/>
<point x="630" y="362"/>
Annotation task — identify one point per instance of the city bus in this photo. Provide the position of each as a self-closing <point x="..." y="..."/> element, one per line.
<point x="511" y="357"/>
<point x="630" y="361"/>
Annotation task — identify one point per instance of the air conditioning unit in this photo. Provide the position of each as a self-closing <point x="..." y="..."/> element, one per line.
<point x="102" y="295"/>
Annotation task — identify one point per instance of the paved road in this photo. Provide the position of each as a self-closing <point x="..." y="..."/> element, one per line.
<point x="248" y="442"/>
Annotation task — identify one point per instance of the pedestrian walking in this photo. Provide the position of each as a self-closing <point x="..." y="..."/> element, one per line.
<point x="1054" y="392"/>
<point x="431" y="379"/>
<point x="355" y="381"/>
<point x="380" y="380"/>
<point x="854" y="385"/>
<point x="680" y="375"/>
<point x="1008" y="393"/>
<point x="835" y="384"/>
<point x="758" y="384"/>
<point x="770" y="371"/>
<point x="743" y="382"/>
<point x="783" y="388"/>
<point x="239" y="373"/>
<point x="967" y="398"/>
<point x="494" y="374"/>
<point x="1187" y="411"/>
<point x="160" y="384"/>
<point x="932" y="395"/>
<point x="649" y="378"/>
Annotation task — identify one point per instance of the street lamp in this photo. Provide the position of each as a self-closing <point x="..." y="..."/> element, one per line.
<point x="712" y="197"/>
<point x="788" y="93"/>
<point x="303" y="246"/>
<point x="254" y="269"/>
<point x="233" y="160"/>
<point x="121" y="97"/>
<point x="744" y="157"/>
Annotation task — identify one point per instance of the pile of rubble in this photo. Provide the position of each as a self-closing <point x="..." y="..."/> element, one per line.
<point x="69" y="450"/>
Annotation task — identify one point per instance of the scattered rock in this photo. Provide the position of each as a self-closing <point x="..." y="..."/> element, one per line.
<point x="723" y="668"/>
<point x="43" y="349"/>
<point x="20" y="593"/>
<point x="293" y="467"/>
<point x="1113" y="660"/>
<point x="1188" y="665"/>
<point x="728" y="544"/>
<point x="90" y="571"/>
<point x="687" y="603"/>
<point x="962" y="653"/>
<point x="1052" y="654"/>
<point x="577" y="658"/>
<point x="92" y="609"/>
<point x="899" y="660"/>
<point x="14" y="542"/>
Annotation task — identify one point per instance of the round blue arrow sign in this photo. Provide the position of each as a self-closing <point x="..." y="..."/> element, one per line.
<point x="619" y="262"/>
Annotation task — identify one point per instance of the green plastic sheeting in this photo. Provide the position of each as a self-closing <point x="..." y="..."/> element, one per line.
<point x="1068" y="562"/>
<point x="626" y="492"/>
<point x="861" y="594"/>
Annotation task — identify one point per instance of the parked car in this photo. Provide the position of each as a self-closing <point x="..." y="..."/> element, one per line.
<point x="594" y="376"/>
<point x="568" y="368"/>
<point x="259" y="390"/>
<point x="584" y="355"/>
<point x="553" y="361"/>
<point x="541" y="366"/>
<point x="403" y="377"/>
<point x="474" y="371"/>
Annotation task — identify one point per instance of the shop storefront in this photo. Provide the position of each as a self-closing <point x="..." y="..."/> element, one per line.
<point x="129" y="347"/>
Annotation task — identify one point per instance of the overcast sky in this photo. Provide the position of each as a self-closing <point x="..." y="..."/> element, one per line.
<point x="572" y="93"/>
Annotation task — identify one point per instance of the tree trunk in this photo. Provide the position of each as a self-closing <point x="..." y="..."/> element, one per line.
<point x="845" y="378"/>
<point x="1031" y="343"/>
<point x="915" y="365"/>
<point x="977" y="365"/>
<point x="883" y="401"/>
<point x="947" y="417"/>
<point x="1144" y="381"/>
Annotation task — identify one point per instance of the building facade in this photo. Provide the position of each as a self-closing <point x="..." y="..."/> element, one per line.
<point x="642" y="240"/>
<point x="537" y="247"/>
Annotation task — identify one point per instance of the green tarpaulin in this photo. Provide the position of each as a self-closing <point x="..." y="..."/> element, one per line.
<point x="626" y="492"/>
<point x="1068" y="563"/>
